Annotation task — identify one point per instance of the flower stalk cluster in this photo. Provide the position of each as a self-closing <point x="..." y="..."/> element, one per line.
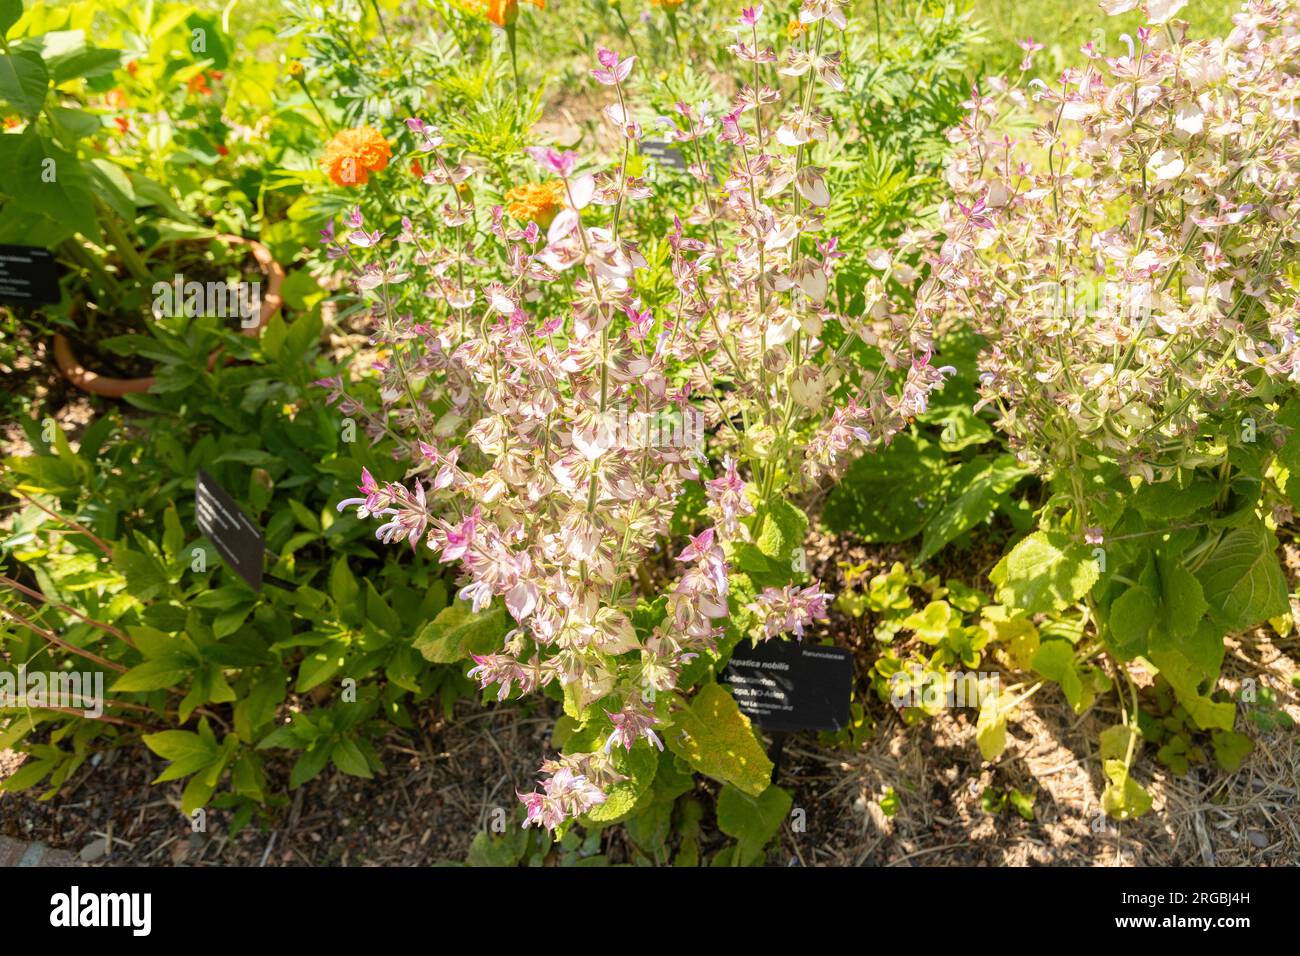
<point x="511" y="349"/>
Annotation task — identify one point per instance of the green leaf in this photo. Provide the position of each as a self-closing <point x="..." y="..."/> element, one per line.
<point x="1055" y="661"/>
<point x="1130" y="619"/>
<point x="889" y="494"/>
<point x="784" y="529"/>
<point x="1044" y="572"/>
<point x="1189" y="663"/>
<point x="1242" y="580"/>
<point x="173" y="533"/>
<point x="486" y="850"/>
<point x="347" y="756"/>
<point x="961" y="428"/>
<point x="991" y="727"/>
<point x="380" y="614"/>
<point x="50" y="181"/>
<point x="177" y="745"/>
<point x="320" y="665"/>
<point x="1231" y="748"/>
<point x="753" y="821"/>
<point x="457" y="632"/>
<point x="306" y="517"/>
<point x="638" y="765"/>
<point x="88" y="62"/>
<point x="1184" y="598"/>
<point x="1289" y="454"/>
<point x="196" y="794"/>
<point x="157" y="674"/>
<point x="1177" y="498"/>
<point x="1124" y="798"/>
<point x="343" y="585"/>
<point x="11" y="12"/>
<point x="980" y="484"/>
<point x="24" y="82"/>
<point x="1022" y="803"/>
<point x="309" y="765"/>
<point x="715" y="738"/>
<point x="1115" y="742"/>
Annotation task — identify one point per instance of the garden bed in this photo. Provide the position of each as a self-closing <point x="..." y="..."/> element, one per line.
<point x="949" y="378"/>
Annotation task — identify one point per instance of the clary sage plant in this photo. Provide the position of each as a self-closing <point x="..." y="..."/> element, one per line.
<point x="555" y="424"/>
<point x="1125" y="240"/>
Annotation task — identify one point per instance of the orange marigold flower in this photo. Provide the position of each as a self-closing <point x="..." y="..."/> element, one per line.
<point x="353" y="154"/>
<point x="122" y="123"/>
<point x="536" y="202"/>
<point x="504" y="12"/>
<point x="198" y="83"/>
<point x="417" y="170"/>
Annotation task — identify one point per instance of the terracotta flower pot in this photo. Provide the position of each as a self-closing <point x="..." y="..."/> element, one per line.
<point x="110" y="387"/>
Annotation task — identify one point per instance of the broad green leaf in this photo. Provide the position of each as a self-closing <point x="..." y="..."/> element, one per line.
<point x="457" y="632"/>
<point x="173" y="533"/>
<point x="978" y="486"/>
<point x="715" y="738"/>
<point x="1177" y="498"/>
<point x="48" y="180"/>
<point x="177" y="745"/>
<point x="1055" y="661"/>
<point x="638" y="765"/>
<point x="308" y="765"/>
<point x="1115" y="742"/>
<point x="1046" y="571"/>
<point x="306" y="517"/>
<point x="343" y="585"/>
<point x="487" y="850"/>
<point x="11" y="12"/>
<point x="1242" y="580"/>
<point x="1184" y="598"/>
<point x="24" y="82"/>
<point x="380" y="614"/>
<point x="1289" y="454"/>
<point x="196" y="794"/>
<point x="1124" y="798"/>
<point x="145" y="579"/>
<point x="962" y="428"/>
<point x="86" y="63"/>
<point x="784" y="529"/>
<point x="991" y="727"/>
<point x="1130" y="619"/>
<point x="753" y="821"/>
<point x="888" y="494"/>
<point x="188" y="752"/>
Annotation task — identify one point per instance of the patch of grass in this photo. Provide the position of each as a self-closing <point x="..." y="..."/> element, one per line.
<point x="1062" y="26"/>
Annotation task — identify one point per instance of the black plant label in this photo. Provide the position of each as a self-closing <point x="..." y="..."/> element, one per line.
<point x="783" y="685"/>
<point x="28" y="275"/>
<point x="239" y="542"/>
<point x="664" y="153"/>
